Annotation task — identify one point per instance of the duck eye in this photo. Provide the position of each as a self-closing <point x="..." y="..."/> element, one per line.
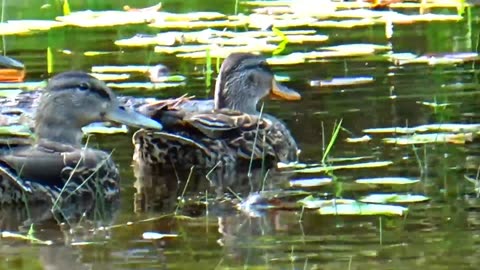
<point x="84" y="86"/>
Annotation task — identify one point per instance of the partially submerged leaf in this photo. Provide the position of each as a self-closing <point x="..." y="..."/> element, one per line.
<point x="145" y="85"/>
<point x="393" y="198"/>
<point x="364" y="165"/>
<point x="15" y="130"/>
<point x="455" y="138"/>
<point x="364" y="138"/>
<point x="440" y="127"/>
<point x="111" y="77"/>
<point x="100" y="128"/>
<point x="387" y="181"/>
<point x="156" y="236"/>
<point x="342" y="81"/>
<point x="362" y="209"/>
<point x="310" y="182"/>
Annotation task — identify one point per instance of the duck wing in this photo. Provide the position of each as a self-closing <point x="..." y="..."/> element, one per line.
<point x="48" y="167"/>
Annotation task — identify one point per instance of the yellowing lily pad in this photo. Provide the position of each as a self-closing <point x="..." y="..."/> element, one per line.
<point x="311" y="182"/>
<point x="110" y="77"/>
<point x="363" y="165"/>
<point x="15" y="130"/>
<point x="387" y="181"/>
<point x="363" y="209"/>
<point x="311" y="202"/>
<point x="156" y="236"/>
<point x="120" y="69"/>
<point x="24" y="85"/>
<point x="455" y="138"/>
<point x="342" y="81"/>
<point x="440" y="127"/>
<point x="99" y="128"/>
<point x="364" y="138"/>
<point x="145" y="85"/>
<point x="90" y="18"/>
<point x="394" y="198"/>
<point x="10" y="93"/>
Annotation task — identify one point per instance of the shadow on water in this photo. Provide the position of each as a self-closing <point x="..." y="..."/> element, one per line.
<point x="441" y="233"/>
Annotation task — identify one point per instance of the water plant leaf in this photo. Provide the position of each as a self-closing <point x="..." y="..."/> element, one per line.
<point x="438" y="127"/>
<point x="15" y="130"/>
<point x="100" y="128"/>
<point x="6" y="234"/>
<point x="145" y="85"/>
<point x="156" y="236"/>
<point x="311" y="202"/>
<point x="363" y="165"/>
<point x="342" y="81"/>
<point x="120" y="69"/>
<point x="23" y="85"/>
<point x="362" y="209"/>
<point x="455" y="138"/>
<point x="387" y="181"/>
<point x="111" y="76"/>
<point x="11" y="93"/>
<point x="364" y="138"/>
<point x="66" y="8"/>
<point x="393" y="198"/>
<point x="310" y="182"/>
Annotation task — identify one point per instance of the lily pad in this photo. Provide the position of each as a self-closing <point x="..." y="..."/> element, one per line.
<point x="394" y="198"/>
<point x="311" y="202"/>
<point x="342" y="81"/>
<point x="99" y="128"/>
<point x="311" y="182"/>
<point x="440" y="127"/>
<point x="455" y="138"/>
<point x="15" y="130"/>
<point x="145" y="85"/>
<point x="363" y="209"/>
<point x="387" y="181"/>
<point x="364" y="138"/>
<point x="111" y="77"/>
<point x="11" y="93"/>
<point x="156" y="236"/>
<point x="363" y="165"/>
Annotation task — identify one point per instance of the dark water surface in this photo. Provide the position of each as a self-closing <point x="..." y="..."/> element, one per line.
<point x="443" y="233"/>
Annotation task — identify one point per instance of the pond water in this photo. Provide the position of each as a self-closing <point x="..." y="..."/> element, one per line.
<point x="442" y="233"/>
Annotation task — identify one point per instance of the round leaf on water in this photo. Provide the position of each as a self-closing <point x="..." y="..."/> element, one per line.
<point x="387" y="181"/>
<point x="394" y="198"/>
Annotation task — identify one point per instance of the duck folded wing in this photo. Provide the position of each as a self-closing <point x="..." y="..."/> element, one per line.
<point x="55" y="165"/>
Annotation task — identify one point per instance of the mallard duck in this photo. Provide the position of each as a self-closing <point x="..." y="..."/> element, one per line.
<point x="227" y="131"/>
<point x="57" y="166"/>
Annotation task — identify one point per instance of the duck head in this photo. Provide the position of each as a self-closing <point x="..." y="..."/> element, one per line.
<point x="75" y="99"/>
<point x="245" y="79"/>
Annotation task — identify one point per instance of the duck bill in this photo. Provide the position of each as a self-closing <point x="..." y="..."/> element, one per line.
<point x="132" y="119"/>
<point x="11" y="70"/>
<point x="282" y="92"/>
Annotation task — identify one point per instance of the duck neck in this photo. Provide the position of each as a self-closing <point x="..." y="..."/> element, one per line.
<point x="56" y="124"/>
<point x="226" y="97"/>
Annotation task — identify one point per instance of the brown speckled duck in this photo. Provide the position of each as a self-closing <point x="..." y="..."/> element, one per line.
<point x="57" y="166"/>
<point x="227" y="132"/>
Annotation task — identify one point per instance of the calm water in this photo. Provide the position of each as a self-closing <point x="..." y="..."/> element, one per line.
<point x="443" y="233"/>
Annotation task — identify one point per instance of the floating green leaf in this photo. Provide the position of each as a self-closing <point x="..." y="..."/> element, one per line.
<point x="99" y="128"/>
<point x="15" y="130"/>
<point x="310" y="182"/>
<point x="387" y="181"/>
<point x="374" y="164"/>
<point x="393" y="198"/>
<point x="363" y="209"/>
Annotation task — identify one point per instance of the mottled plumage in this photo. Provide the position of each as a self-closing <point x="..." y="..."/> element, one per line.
<point x="57" y="167"/>
<point x="229" y="133"/>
